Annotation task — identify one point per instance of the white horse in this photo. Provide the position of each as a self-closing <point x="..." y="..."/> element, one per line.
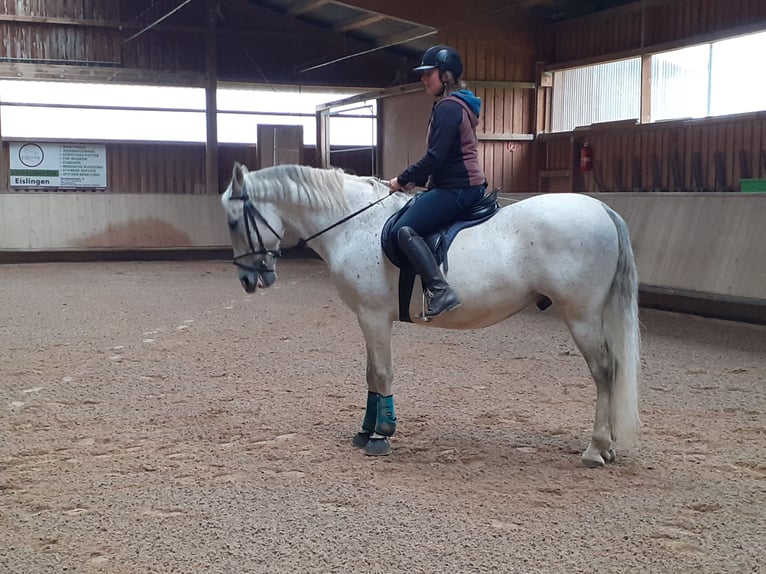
<point x="572" y="249"/>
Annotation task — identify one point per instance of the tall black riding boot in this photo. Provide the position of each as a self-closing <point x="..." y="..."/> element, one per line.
<point x="438" y="296"/>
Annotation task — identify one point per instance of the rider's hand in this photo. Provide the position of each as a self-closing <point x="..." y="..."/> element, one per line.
<point x="393" y="185"/>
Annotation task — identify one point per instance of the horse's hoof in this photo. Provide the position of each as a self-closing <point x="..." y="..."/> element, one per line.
<point x="592" y="458"/>
<point x="360" y="440"/>
<point x="593" y="462"/>
<point x="377" y="447"/>
<point x="609" y="455"/>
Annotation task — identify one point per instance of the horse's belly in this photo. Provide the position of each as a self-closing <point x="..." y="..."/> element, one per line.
<point x="482" y="304"/>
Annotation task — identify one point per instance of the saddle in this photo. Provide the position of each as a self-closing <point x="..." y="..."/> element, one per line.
<point x="439" y="242"/>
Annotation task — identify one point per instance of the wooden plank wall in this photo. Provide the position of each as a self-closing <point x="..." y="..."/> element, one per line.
<point x="254" y="44"/>
<point x="504" y="110"/>
<point x="93" y="32"/>
<point x="699" y="155"/>
<point x="155" y="168"/>
<point x="692" y="155"/>
<point x="81" y="9"/>
<point x="652" y="25"/>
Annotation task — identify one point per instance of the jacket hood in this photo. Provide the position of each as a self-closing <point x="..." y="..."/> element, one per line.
<point x="473" y="101"/>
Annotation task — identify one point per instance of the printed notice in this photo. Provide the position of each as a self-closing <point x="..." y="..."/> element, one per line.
<point x="62" y="166"/>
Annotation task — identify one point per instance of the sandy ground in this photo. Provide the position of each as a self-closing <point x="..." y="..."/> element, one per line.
<point x="156" y="418"/>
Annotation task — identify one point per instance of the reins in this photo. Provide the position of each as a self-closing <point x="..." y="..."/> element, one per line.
<point x="302" y="242"/>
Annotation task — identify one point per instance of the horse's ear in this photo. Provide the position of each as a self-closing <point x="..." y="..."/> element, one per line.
<point x="238" y="179"/>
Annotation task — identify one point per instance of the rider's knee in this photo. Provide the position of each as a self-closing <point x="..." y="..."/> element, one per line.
<point x="405" y="233"/>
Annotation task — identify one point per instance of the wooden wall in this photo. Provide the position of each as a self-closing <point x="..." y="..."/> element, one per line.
<point x="72" y="31"/>
<point x="404" y="123"/>
<point x="502" y="75"/>
<point x="253" y="44"/>
<point x="505" y="110"/>
<point x="690" y="155"/>
<point x="698" y="155"/>
<point x="156" y="199"/>
<point x="651" y="25"/>
<point x="179" y="168"/>
<point x="502" y="47"/>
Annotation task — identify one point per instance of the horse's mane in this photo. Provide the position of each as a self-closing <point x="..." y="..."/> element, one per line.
<point x="305" y="185"/>
<point x="299" y="184"/>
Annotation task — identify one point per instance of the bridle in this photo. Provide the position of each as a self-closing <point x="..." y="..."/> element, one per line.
<point x="268" y="257"/>
<point x="250" y="214"/>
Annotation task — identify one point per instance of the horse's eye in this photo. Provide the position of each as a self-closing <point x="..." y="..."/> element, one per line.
<point x="233" y="224"/>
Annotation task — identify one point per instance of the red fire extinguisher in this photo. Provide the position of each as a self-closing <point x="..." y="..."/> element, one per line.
<point x="586" y="157"/>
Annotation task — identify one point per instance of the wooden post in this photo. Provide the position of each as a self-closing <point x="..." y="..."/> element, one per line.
<point x="378" y="167"/>
<point x="646" y="89"/>
<point x="211" y="101"/>
<point x="323" y="138"/>
<point x="5" y="182"/>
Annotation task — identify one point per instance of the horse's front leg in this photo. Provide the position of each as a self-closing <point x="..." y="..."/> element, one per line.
<point x="379" y="421"/>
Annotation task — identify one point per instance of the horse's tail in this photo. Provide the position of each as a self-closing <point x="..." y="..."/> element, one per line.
<point x="621" y="328"/>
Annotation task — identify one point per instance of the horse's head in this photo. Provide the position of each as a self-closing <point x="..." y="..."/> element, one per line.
<point x="255" y="230"/>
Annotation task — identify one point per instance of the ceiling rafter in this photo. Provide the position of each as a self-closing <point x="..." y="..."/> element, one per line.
<point x="307" y="6"/>
<point x="374" y="30"/>
<point x="358" y="22"/>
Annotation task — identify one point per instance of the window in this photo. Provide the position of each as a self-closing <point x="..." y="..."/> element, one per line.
<point x="680" y="83"/>
<point x="710" y="79"/>
<point x="738" y="82"/>
<point x="600" y="93"/>
<point x="54" y="110"/>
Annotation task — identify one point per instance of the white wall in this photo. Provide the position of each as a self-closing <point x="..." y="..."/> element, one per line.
<point x="704" y="242"/>
<point x="71" y="221"/>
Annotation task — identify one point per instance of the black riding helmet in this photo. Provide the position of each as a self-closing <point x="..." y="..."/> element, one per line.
<point x="444" y="58"/>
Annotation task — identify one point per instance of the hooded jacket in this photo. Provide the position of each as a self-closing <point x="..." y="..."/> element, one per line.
<point x="452" y="159"/>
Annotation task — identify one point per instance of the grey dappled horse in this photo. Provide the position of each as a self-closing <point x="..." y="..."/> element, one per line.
<point x="572" y="249"/>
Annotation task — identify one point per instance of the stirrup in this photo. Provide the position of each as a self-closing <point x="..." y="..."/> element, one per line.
<point x="424" y="308"/>
<point x="427" y="296"/>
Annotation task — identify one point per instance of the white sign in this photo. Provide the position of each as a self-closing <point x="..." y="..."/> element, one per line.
<point x="63" y="166"/>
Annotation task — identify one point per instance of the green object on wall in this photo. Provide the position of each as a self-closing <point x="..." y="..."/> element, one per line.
<point x="752" y="185"/>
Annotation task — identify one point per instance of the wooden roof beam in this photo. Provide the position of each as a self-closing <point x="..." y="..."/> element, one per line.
<point x="306" y="6"/>
<point x="358" y="22"/>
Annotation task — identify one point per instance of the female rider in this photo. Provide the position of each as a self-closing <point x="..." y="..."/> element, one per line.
<point x="450" y="169"/>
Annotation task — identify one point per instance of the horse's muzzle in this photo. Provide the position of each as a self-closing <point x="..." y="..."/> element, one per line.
<point x="252" y="280"/>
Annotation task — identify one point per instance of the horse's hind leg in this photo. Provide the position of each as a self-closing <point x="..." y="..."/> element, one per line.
<point x="590" y="339"/>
